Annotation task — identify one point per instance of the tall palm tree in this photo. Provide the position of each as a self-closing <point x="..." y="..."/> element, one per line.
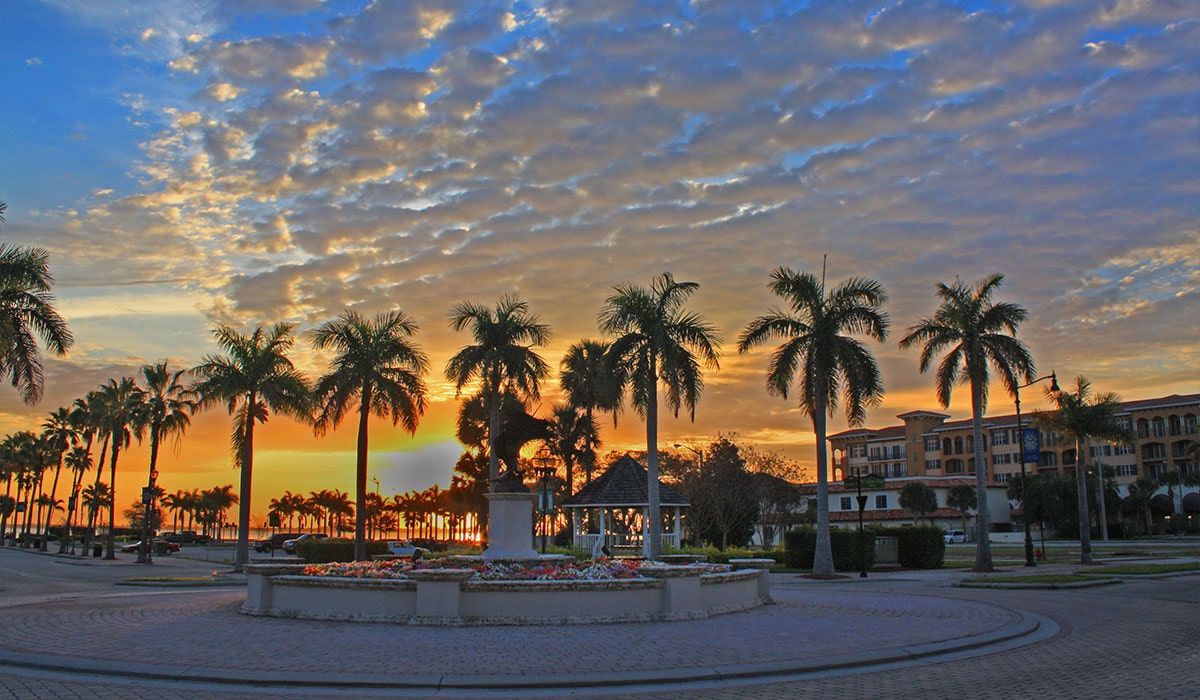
<point x="79" y="461"/>
<point x="119" y="406"/>
<point x="573" y="436"/>
<point x="977" y="332"/>
<point x="592" y="384"/>
<point x="166" y="410"/>
<point x="657" y="339"/>
<point x="828" y="363"/>
<point x="26" y="313"/>
<point x="253" y="377"/>
<point x="1080" y="416"/>
<point x="85" y="425"/>
<point x="501" y="358"/>
<point x="378" y="364"/>
<point x="59" y="433"/>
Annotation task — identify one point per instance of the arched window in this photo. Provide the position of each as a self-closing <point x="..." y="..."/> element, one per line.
<point x="947" y="446"/>
<point x="958" y="446"/>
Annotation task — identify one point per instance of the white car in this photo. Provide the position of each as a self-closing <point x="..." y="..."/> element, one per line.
<point x="406" y="549"/>
<point x="954" y="537"/>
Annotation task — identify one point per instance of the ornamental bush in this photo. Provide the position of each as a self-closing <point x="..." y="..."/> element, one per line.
<point x="799" y="546"/>
<point x="335" y="549"/>
<point x="920" y="547"/>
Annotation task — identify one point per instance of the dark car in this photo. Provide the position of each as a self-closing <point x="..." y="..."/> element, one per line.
<point x="160" y="546"/>
<point x="274" y="542"/>
<point x="289" y="546"/>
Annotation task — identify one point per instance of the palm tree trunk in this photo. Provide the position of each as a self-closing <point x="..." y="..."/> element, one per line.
<point x="110" y="550"/>
<point x="652" y="525"/>
<point x="144" y="555"/>
<point x="242" y="557"/>
<point x="89" y="531"/>
<point x="360" y="477"/>
<point x="983" y="515"/>
<point x="50" y="510"/>
<point x="823" y="552"/>
<point x="1085" y="519"/>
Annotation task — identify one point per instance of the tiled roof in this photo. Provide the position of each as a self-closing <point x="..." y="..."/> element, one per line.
<point x="889" y="514"/>
<point x="622" y="485"/>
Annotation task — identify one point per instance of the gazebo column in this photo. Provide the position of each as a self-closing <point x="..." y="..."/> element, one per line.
<point x="676" y="527"/>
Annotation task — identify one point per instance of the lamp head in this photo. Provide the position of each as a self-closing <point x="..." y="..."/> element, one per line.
<point x="1054" y="382"/>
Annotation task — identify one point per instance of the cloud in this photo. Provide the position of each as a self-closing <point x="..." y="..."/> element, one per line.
<point x="33" y="61"/>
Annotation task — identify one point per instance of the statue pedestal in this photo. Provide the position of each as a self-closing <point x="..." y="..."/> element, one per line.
<point x="510" y="526"/>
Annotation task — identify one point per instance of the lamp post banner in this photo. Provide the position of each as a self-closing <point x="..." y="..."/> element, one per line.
<point x="1031" y="445"/>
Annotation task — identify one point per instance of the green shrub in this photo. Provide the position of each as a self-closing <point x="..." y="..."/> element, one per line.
<point x="716" y="556"/>
<point x="800" y="546"/>
<point x="920" y="547"/>
<point x="335" y="549"/>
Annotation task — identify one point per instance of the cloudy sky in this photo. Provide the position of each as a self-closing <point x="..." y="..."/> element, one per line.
<point x="189" y="163"/>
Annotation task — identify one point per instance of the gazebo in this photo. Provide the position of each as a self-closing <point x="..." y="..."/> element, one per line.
<point x="621" y="487"/>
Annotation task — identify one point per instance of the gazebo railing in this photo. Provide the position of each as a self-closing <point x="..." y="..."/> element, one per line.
<point x="587" y="541"/>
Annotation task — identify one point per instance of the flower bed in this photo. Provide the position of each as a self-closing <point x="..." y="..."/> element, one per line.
<point x="601" y="570"/>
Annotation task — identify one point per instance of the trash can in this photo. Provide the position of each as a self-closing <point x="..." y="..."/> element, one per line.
<point x="98" y="550"/>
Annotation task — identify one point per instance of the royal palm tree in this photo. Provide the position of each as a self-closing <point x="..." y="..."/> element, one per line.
<point x="573" y="437"/>
<point x="253" y="377"/>
<point x="1080" y="417"/>
<point x="378" y="365"/>
<point x="59" y="433"/>
<point x="166" y="410"/>
<point x="501" y="358"/>
<point x="85" y="426"/>
<point x="977" y="332"/>
<point x="592" y="384"/>
<point x="26" y="313"/>
<point x="79" y="461"/>
<point x="119" y="405"/>
<point x="657" y="339"/>
<point x="829" y="365"/>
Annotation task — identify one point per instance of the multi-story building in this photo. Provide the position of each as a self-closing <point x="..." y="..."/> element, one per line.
<point x="928" y="445"/>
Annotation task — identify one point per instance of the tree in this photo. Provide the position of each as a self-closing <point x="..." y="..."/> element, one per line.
<point x="917" y="497"/>
<point x="501" y="358"/>
<point x="829" y="364"/>
<point x="119" y="406"/>
<point x="378" y="365"/>
<point x="1138" y="500"/>
<point x="1080" y="416"/>
<point x="573" y="438"/>
<point x="962" y="497"/>
<point x="976" y="332"/>
<point x="26" y="313"/>
<point x="724" y="503"/>
<point x="59" y="434"/>
<point x="167" y="406"/>
<point x="253" y="377"/>
<point x="657" y="339"/>
<point x="592" y="384"/>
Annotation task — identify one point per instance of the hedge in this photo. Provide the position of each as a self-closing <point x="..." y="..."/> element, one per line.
<point x="335" y="549"/>
<point x="920" y="547"/>
<point x="800" y="544"/>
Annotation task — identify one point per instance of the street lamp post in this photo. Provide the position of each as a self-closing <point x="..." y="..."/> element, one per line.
<point x="1029" y="560"/>
<point x="147" y="513"/>
<point x="546" y="465"/>
<point x="862" y="505"/>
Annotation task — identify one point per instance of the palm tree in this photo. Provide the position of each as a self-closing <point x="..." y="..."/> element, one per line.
<point x="962" y="498"/>
<point x="119" y="404"/>
<point x="83" y="422"/>
<point x="165" y="412"/>
<point x="592" y="384"/>
<point x="977" y="332"/>
<point x="573" y="437"/>
<point x="818" y="350"/>
<point x="501" y="358"/>
<point x="59" y="434"/>
<point x="378" y="364"/>
<point x="658" y="340"/>
<point x="253" y="377"/>
<point x="212" y="506"/>
<point x="27" y="310"/>
<point x="79" y="461"/>
<point x="1080" y="416"/>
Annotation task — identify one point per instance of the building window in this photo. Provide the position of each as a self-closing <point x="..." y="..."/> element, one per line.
<point x="881" y="502"/>
<point x="1005" y="458"/>
<point x="932" y="444"/>
<point x="1158" y="427"/>
<point x="1154" y="450"/>
<point x="1049" y="438"/>
<point x="858" y="451"/>
<point x="1068" y="458"/>
<point x="1125" y="449"/>
<point x="958" y="446"/>
<point x="897" y="470"/>
<point x="947" y="446"/>
<point x="875" y="453"/>
<point x="1126" y="470"/>
<point x="897" y="451"/>
<point x="954" y="466"/>
<point x="845" y="503"/>
<point x="1174" y="425"/>
<point x="933" y="464"/>
<point x="1049" y="459"/>
<point x="1000" y="437"/>
<point x="1102" y="450"/>
<point x="1124" y="423"/>
<point x="1003" y="477"/>
<point x="1189" y="424"/>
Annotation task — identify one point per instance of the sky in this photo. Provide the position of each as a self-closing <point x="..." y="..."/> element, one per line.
<point x="195" y="162"/>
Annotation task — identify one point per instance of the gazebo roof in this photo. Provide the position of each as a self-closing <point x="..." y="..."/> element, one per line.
<point x="622" y="485"/>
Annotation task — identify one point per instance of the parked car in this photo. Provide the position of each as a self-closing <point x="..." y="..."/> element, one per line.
<point x="274" y="542"/>
<point x="404" y="548"/>
<point x="289" y="546"/>
<point x="186" y="537"/>
<point x="160" y="546"/>
<point x="954" y="537"/>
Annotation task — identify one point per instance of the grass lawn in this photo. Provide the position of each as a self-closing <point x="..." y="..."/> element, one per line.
<point x="1035" y="579"/>
<point x="1145" y="569"/>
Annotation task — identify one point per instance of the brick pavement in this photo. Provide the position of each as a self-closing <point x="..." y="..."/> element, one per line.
<point x="1134" y="640"/>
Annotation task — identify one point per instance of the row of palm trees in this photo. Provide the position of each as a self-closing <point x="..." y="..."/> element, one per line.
<point x="434" y="513"/>
<point x="653" y="338"/>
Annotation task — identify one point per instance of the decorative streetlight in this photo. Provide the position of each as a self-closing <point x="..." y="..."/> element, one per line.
<point x="862" y="505"/>
<point x="545" y="464"/>
<point x="147" y="512"/>
<point x="1029" y="444"/>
